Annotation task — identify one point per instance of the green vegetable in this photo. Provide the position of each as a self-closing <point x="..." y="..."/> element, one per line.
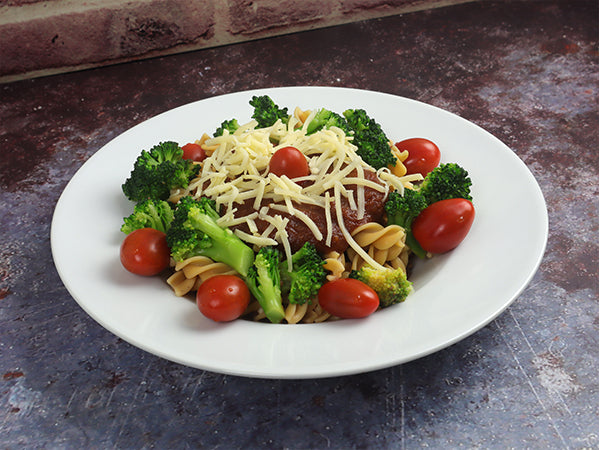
<point x="307" y="276"/>
<point x="391" y="285"/>
<point x="325" y="119"/>
<point x="266" y="112"/>
<point x="373" y="144"/>
<point x="157" y="171"/>
<point x="195" y="232"/>
<point x="229" y="125"/>
<point x="402" y="210"/>
<point x="157" y="214"/>
<point x="446" y="181"/>
<point x="263" y="280"/>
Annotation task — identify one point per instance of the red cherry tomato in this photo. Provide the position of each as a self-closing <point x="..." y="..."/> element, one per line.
<point x="443" y="225"/>
<point x="145" y="252"/>
<point x="423" y="155"/>
<point x="194" y="152"/>
<point x="289" y="161"/>
<point x="223" y="298"/>
<point x="348" y="298"/>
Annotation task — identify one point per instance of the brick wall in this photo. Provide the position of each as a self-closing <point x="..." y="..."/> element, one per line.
<point x="45" y="37"/>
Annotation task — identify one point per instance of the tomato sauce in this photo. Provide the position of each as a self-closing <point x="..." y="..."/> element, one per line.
<point x="298" y="231"/>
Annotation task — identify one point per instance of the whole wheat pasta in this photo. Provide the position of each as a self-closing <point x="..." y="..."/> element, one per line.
<point x="316" y="314"/>
<point x="335" y="264"/>
<point x="190" y="273"/>
<point x="401" y="261"/>
<point x="295" y="313"/>
<point x="180" y="284"/>
<point x="382" y="243"/>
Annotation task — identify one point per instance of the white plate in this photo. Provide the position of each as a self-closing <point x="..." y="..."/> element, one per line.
<point x="455" y="294"/>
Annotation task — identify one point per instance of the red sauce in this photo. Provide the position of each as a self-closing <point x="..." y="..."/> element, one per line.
<point x="298" y="231"/>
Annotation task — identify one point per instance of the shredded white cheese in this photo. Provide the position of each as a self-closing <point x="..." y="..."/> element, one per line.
<point x="328" y="222"/>
<point x="237" y="170"/>
<point x="303" y="217"/>
<point x="340" y="220"/>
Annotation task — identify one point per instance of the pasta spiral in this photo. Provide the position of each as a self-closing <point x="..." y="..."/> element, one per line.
<point x="385" y="244"/>
<point x="192" y="272"/>
<point x="335" y="264"/>
<point x="309" y="312"/>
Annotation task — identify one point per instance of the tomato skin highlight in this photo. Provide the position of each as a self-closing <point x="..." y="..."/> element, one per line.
<point x="145" y="252"/>
<point x="223" y="298"/>
<point x="443" y="225"/>
<point x="289" y="161"/>
<point x="423" y="155"/>
<point x="194" y="152"/>
<point x="348" y="298"/>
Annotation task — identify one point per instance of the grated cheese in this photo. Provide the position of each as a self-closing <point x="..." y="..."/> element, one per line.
<point x="328" y="222"/>
<point x="340" y="220"/>
<point x="259" y="241"/>
<point x="237" y="170"/>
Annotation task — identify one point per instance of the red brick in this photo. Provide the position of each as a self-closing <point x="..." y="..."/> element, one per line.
<point x="102" y="35"/>
<point x="248" y="17"/>
<point x="41" y="37"/>
<point x="162" y="24"/>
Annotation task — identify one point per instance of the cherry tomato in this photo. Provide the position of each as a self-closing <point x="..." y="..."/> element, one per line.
<point x="194" y="152"/>
<point x="289" y="161"/>
<point x="223" y="298"/>
<point x="145" y="252"/>
<point x="348" y="298"/>
<point x="423" y="155"/>
<point x="443" y="225"/>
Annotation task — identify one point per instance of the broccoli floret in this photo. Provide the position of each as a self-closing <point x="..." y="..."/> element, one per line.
<point x="157" y="171"/>
<point x="373" y="145"/>
<point x="325" y="119"/>
<point x="391" y="285"/>
<point x="263" y="280"/>
<point x="402" y="210"/>
<point x="229" y="125"/>
<point x="266" y="112"/>
<point x="307" y="275"/>
<point x="195" y="232"/>
<point x="157" y="214"/>
<point x="445" y="182"/>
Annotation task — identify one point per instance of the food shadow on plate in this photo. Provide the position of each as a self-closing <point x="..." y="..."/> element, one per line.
<point x="422" y="271"/>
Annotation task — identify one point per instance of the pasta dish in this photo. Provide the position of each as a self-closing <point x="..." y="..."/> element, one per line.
<point x="361" y="221"/>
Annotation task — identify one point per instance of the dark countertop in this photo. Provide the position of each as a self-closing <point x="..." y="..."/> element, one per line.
<point x="526" y="71"/>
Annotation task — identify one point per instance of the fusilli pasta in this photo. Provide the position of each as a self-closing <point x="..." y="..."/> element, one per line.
<point x="190" y="273"/>
<point x="384" y="244"/>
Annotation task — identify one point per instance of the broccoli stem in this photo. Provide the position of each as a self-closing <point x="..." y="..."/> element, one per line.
<point x="268" y="295"/>
<point x="227" y="248"/>
<point x="414" y="245"/>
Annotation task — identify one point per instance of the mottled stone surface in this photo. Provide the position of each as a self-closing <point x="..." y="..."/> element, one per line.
<point x="525" y="71"/>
